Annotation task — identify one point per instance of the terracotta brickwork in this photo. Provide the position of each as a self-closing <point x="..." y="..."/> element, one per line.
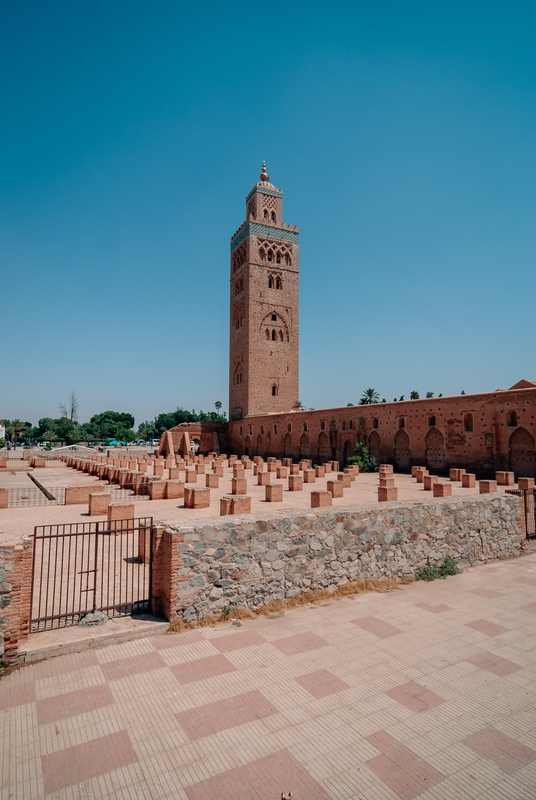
<point x="263" y="368"/>
<point x="15" y="591"/>
<point x="482" y="433"/>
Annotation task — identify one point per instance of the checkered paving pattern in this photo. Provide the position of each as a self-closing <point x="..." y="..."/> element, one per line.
<point x="426" y="691"/>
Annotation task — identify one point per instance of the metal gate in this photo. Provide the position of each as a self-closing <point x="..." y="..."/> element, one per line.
<point x="530" y="508"/>
<point x="90" y="566"/>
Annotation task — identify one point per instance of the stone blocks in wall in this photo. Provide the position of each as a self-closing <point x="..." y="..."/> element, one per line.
<point x="505" y="478"/>
<point x="263" y="478"/>
<point x="487" y="487"/>
<point x="174" y="490"/>
<point x="428" y="482"/>
<point x="335" y="488"/>
<point x="98" y="504"/>
<point x="274" y="493"/>
<point x="309" y="476"/>
<point x="191" y="476"/>
<point x="212" y="481"/>
<point x="76" y="495"/>
<point x="468" y="480"/>
<point x="442" y="489"/>
<point x="195" y="497"/>
<point x="525" y="483"/>
<point x="157" y="490"/>
<point x="321" y="499"/>
<point x="326" y="538"/>
<point x="387" y="494"/>
<point x="295" y="483"/>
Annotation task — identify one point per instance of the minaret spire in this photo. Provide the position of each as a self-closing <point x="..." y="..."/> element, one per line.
<point x="264" y="174"/>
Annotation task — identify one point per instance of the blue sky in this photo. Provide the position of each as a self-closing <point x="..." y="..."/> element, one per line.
<point x="402" y="134"/>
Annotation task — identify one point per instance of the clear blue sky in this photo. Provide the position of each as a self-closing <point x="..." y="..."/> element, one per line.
<point x="402" y="134"/>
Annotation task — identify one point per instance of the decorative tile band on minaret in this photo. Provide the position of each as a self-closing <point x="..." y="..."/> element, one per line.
<point x="263" y="367"/>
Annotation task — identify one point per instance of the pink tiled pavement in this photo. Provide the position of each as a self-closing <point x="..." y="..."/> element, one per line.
<point x="427" y="692"/>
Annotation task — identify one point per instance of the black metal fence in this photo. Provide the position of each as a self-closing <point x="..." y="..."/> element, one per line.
<point x="529" y="498"/>
<point x="34" y="496"/>
<point x="90" y="566"/>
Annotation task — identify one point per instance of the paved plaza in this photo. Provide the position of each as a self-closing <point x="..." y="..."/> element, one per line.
<point x="363" y="490"/>
<point x="425" y="691"/>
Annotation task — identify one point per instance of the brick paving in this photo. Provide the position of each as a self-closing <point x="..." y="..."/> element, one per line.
<point x="426" y="691"/>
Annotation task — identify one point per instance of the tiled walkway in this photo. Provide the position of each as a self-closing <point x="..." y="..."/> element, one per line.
<point x="428" y="691"/>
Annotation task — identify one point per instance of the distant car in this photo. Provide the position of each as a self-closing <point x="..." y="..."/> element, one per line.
<point x="155" y="442"/>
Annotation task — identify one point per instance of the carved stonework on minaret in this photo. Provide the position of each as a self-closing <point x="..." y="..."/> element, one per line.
<point x="263" y="369"/>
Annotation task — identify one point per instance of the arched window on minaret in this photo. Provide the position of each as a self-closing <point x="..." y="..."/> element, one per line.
<point x="274" y="336"/>
<point x="274" y="390"/>
<point x="273" y="216"/>
<point x="265" y="213"/>
<point x="278" y="283"/>
<point x="267" y="333"/>
<point x="270" y="282"/>
<point x="280" y="336"/>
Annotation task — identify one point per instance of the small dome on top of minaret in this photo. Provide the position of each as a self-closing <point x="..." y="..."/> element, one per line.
<point x="264" y="174"/>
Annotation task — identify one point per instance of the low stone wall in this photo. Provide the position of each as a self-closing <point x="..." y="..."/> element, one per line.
<point x="251" y="561"/>
<point x="15" y="589"/>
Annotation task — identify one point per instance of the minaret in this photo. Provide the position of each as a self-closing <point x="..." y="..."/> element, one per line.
<point x="263" y="368"/>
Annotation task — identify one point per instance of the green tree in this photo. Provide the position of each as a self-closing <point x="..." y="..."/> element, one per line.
<point x="415" y="395"/>
<point x="429" y="394"/>
<point x="363" y="459"/>
<point x="369" y="397"/>
<point x="17" y="428"/>
<point x="109" y="422"/>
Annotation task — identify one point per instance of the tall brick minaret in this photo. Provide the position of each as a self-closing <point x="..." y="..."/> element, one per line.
<point x="263" y="368"/>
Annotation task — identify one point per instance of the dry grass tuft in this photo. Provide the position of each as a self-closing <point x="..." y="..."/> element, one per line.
<point x="277" y="607"/>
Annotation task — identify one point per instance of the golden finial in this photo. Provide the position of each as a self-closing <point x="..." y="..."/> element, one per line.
<point x="264" y="174"/>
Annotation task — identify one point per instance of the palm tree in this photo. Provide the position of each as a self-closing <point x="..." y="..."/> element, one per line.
<point x="369" y="397"/>
<point x="17" y="427"/>
<point x="414" y="395"/>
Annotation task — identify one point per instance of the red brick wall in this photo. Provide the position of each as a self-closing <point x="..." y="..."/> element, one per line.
<point x="497" y="441"/>
<point x="15" y="591"/>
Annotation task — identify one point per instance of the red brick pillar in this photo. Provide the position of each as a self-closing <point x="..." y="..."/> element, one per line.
<point x="16" y="562"/>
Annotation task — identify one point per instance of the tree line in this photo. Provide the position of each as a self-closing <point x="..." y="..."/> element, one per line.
<point x="102" y="427"/>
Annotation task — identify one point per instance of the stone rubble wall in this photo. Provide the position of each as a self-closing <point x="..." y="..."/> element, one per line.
<point x="248" y="562"/>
